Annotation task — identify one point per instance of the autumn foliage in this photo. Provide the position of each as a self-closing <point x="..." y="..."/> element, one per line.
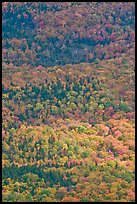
<point x="68" y="102"/>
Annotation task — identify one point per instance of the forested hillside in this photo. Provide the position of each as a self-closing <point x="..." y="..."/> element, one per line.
<point x="68" y="101"/>
<point x="52" y="33"/>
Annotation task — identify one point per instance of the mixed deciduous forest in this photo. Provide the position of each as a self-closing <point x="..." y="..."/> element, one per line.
<point x="68" y="102"/>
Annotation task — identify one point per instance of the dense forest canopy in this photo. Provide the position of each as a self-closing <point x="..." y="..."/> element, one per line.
<point x="56" y="33"/>
<point x="68" y="101"/>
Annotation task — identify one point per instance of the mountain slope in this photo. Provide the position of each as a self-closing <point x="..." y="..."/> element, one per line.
<point x="68" y="102"/>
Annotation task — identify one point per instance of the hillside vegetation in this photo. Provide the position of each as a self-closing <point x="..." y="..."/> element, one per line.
<point x="68" y="102"/>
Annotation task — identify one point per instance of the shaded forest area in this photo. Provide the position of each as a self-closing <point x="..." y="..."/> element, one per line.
<point x="56" y="33"/>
